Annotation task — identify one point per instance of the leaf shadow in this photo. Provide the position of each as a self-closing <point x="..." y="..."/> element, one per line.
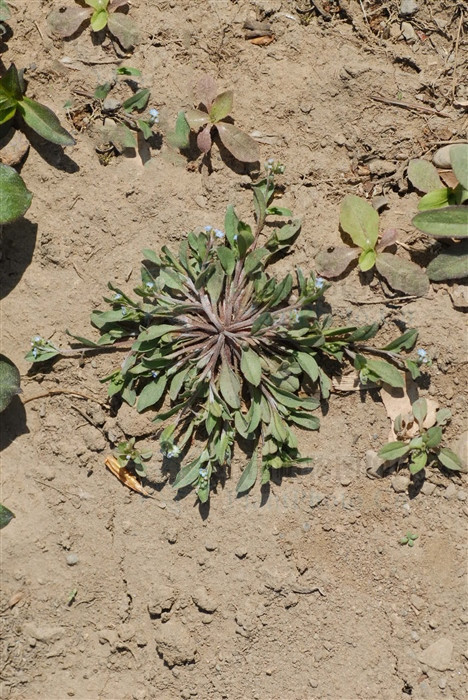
<point x="13" y="423"/>
<point x="17" y="246"/>
<point x="52" y="153"/>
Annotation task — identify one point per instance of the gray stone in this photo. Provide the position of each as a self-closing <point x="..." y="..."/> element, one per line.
<point x="438" y="655"/>
<point x="110" y="105"/>
<point x="400" y="483"/>
<point x="417" y="601"/>
<point x="408" y="32"/>
<point x="374" y="465"/>
<point x="316" y="497"/>
<point x="43" y="633"/>
<point x="175" y="644"/>
<point x="427" y="488"/>
<point x="441" y="157"/>
<point x="408" y="7"/>
<point x="72" y="559"/>
<point x="381" y="167"/>
<point x="450" y="492"/>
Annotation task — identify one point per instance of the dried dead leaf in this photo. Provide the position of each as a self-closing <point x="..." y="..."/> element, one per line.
<point x="262" y="40"/>
<point x="398" y="401"/>
<point x="15" y="599"/>
<point x="125" y="476"/>
<point x="350" y="382"/>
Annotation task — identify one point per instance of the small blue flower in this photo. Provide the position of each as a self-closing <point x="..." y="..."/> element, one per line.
<point x="127" y="457"/>
<point x="218" y="233"/>
<point x="422" y="356"/>
<point x="154" y="113"/>
<point x="319" y="282"/>
<point x="150" y="285"/>
<point x="37" y="339"/>
<point x="117" y="297"/>
<point x="124" y="310"/>
<point x="34" y="352"/>
<point x="208" y="229"/>
<point x="203" y="473"/>
<point x="235" y="237"/>
<point x="154" y="373"/>
<point x="295" y="315"/>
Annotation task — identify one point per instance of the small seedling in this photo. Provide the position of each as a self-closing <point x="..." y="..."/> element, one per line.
<point x="129" y="456"/>
<point x="418" y="444"/>
<point x="72" y="596"/>
<point x="15" y="106"/>
<point x="101" y="14"/>
<point x="210" y="119"/>
<point x="444" y="212"/>
<point x="235" y="352"/>
<point x="360" y="221"/>
<point x="409" y="539"/>
<point x="126" y="115"/>
<point x="5" y="516"/>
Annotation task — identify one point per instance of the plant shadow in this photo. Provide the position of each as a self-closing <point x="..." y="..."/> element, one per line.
<point x="17" y="247"/>
<point x="13" y="423"/>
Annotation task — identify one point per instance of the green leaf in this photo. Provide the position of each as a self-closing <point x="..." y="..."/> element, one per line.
<point x="5" y="13"/>
<point x="386" y="372"/>
<point x="145" y="129"/>
<point x="251" y="366"/>
<point x="419" y="409"/>
<point x="138" y="101"/>
<point x="99" y="20"/>
<point x="8" y="107"/>
<point x="227" y="259"/>
<point x="406" y="341"/>
<point x="222" y="106"/>
<point x="123" y="28"/>
<point x="240" y="145"/>
<point x="418" y="462"/>
<point x="423" y="175"/>
<point x="44" y="122"/>
<point x="278" y="211"/>
<point x="264" y="320"/>
<point x="277" y="427"/>
<point x="433" y="437"/>
<point x="187" y="475"/>
<point x="244" y="238"/>
<point x="9" y="381"/>
<point x="177" y="382"/>
<point x="229" y="386"/>
<point x="196" y="118"/>
<point x="288" y="231"/>
<point x="215" y="284"/>
<point x="97" y="4"/>
<point x="450" y="459"/>
<point x="333" y="263"/>
<point x="253" y="260"/>
<point x="360" y="220"/>
<point x="15" y="198"/>
<point x="402" y="275"/>
<point x="231" y="224"/>
<point x="127" y="70"/>
<point x="452" y="264"/>
<point x="366" y="260"/>
<point x="157" y="331"/>
<point x="10" y="84"/>
<point x="450" y="222"/>
<point x="459" y="161"/>
<point x="180" y="137"/>
<point x="443" y="416"/>
<point x="393" y="451"/>
<point x="308" y="364"/>
<point x="102" y="91"/>
<point x="151" y="393"/>
<point x="437" y="199"/>
<point x="304" y="420"/>
<point x="248" y="476"/>
<point x="5" y="516"/>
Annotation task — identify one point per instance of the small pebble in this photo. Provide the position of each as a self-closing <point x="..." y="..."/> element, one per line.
<point x="210" y="546"/>
<point x="345" y="481"/>
<point x="427" y="488"/>
<point x="72" y="559"/>
<point x="313" y="683"/>
<point x="441" y="157"/>
<point x="408" y="32"/>
<point x="241" y="552"/>
<point x="461" y="495"/>
<point x="450" y="492"/>
<point x="442" y="683"/>
<point x="400" y="483"/>
<point x="408" y="7"/>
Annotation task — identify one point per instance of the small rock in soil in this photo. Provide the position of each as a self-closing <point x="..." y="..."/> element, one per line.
<point x="161" y="599"/>
<point x="441" y="157"/>
<point x="417" y="601"/>
<point x="72" y="559"/>
<point x="450" y="492"/>
<point x="204" y="601"/>
<point x="175" y="644"/>
<point x="43" y="633"/>
<point x="438" y="655"/>
<point x="408" y="32"/>
<point x="408" y="7"/>
<point x="427" y="488"/>
<point x="241" y="552"/>
<point x="13" y="147"/>
<point x="381" y="167"/>
<point x="400" y="483"/>
<point x="133" y="424"/>
<point x="459" y="296"/>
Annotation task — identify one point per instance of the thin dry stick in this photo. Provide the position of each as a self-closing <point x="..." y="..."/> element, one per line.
<point x="410" y="107"/>
<point x="455" y="60"/>
<point x="55" y="392"/>
<point x="363" y="11"/>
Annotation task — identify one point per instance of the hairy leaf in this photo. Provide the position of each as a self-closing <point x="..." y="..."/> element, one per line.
<point x="251" y="367"/>
<point x="419" y="409"/>
<point x="15" y="198"/>
<point x="221" y="106"/>
<point x="242" y="146"/>
<point x="383" y="370"/>
<point x="195" y="118"/>
<point x="227" y="259"/>
<point x="229" y="386"/>
<point x="459" y="161"/>
<point x="44" y="122"/>
<point x="393" y="451"/>
<point x="204" y="141"/>
<point x="450" y="222"/>
<point x="248" y="476"/>
<point x="151" y="393"/>
<point x="99" y="20"/>
<point x="366" y="260"/>
<point x="308" y="364"/>
<point x="360" y="220"/>
<point x="10" y="84"/>
<point x="124" y="30"/>
<point x="406" y="341"/>
<point x="450" y="459"/>
<point x="65" y="23"/>
<point x="452" y="264"/>
<point x="138" y="101"/>
<point x="206" y="90"/>
<point x="5" y="516"/>
<point x="334" y="263"/>
<point x="437" y="199"/>
<point x="402" y="274"/>
<point x="423" y="175"/>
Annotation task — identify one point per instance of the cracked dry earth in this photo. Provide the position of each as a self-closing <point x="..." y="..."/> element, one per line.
<point x="300" y="592"/>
